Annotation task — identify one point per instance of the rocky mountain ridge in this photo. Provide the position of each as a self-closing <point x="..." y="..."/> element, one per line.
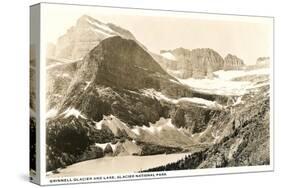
<point x="183" y="63"/>
<point x="197" y="63"/>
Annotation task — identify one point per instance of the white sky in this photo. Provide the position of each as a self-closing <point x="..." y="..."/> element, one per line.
<point x="246" y="37"/>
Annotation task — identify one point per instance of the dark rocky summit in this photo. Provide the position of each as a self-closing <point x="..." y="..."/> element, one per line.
<point x="112" y="76"/>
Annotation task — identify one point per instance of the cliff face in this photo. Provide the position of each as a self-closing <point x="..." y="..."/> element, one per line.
<point x="197" y="63"/>
<point x="232" y="62"/>
<point x="205" y="62"/>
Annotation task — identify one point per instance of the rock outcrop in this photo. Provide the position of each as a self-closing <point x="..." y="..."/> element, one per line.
<point x="204" y="62"/>
<point x="193" y="118"/>
<point x="108" y="150"/>
<point x="263" y="62"/>
<point x="232" y="62"/>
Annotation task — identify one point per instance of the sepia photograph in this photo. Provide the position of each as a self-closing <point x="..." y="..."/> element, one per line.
<point x="138" y="91"/>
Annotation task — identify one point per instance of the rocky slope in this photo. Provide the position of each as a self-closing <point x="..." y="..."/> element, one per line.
<point x="59" y="76"/>
<point x="242" y="136"/>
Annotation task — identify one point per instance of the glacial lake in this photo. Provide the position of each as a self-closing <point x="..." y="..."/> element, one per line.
<point x="117" y="164"/>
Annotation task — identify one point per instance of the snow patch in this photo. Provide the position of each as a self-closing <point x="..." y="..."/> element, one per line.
<point x="73" y="112"/>
<point x="223" y="84"/>
<point x="152" y="93"/>
<point x="231" y="74"/>
<point x="159" y="96"/>
<point x="51" y="113"/>
<point x="218" y="86"/>
<point x="157" y="127"/>
<point x="169" y="55"/>
<point x="103" y="145"/>
<point x="99" y="125"/>
<point x="102" y="32"/>
<point x="136" y="131"/>
<point x="206" y="103"/>
<point x="87" y="85"/>
<point x="238" y="101"/>
<point x="175" y="81"/>
<point x="100" y="26"/>
<point x="115" y="125"/>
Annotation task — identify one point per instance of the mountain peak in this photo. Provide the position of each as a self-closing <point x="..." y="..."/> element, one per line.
<point x="86" y="19"/>
<point x="232" y="62"/>
<point x="123" y="63"/>
<point x="72" y="44"/>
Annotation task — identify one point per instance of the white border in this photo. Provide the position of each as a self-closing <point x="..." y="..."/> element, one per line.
<point x="44" y="180"/>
